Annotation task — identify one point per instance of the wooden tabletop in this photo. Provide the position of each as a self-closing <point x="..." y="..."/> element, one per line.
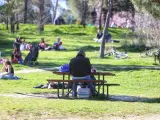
<point x="93" y="73"/>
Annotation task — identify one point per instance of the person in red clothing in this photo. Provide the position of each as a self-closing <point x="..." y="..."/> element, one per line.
<point x="42" y="44"/>
<point x="58" y="45"/>
<point x="16" y="56"/>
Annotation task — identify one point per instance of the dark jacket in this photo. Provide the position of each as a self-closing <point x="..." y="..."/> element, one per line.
<point x="99" y="35"/>
<point x="80" y="66"/>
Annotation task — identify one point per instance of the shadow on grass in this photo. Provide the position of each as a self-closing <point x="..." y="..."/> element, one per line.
<point x="6" y="46"/>
<point x="87" y="48"/>
<point x="123" y="98"/>
<point x="108" y="67"/>
<point x="132" y="48"/>
<point x="62" y="32"/>
<point x="51" y="66"/>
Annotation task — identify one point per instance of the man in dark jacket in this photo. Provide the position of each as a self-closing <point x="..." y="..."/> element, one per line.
<point x="80" y="68"/>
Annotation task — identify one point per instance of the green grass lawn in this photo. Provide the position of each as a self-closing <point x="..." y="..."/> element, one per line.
<point x="141" y="85"/>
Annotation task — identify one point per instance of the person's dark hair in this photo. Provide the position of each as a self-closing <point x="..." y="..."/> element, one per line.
<point x="42" y="39"/>
<point x="20" y="38"/>
<point x="8" y="62"/>
<point x="81" y="53"/>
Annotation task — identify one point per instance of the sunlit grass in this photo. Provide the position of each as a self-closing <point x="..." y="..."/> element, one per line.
<point x="135" y="82"/>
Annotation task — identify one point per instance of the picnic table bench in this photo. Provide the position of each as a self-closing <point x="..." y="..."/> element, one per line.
<point x="70" y="82"/>
<point x="97" y="83"/>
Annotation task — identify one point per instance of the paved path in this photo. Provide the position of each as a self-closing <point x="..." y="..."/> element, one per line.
<point x="36" y="70"/>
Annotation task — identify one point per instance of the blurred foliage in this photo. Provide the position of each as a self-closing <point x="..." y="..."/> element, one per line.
<point x="151" y="6"/>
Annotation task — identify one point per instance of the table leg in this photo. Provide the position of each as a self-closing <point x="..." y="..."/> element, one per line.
<point x="63" y="76"/>
<point x="99" y="77"/>
<point x="68" y="77"/>
<point x="107" y="92"/>
<point x="58" y="90"/>
<point x="103" y="77"/>
<point x="63" y="85"/>
<point x="68" y="83"/>
<point x="98" y="88"/>
<point x="103" y="84"/>
<point x="63" y="89"/>
<point x="98" y="85"/>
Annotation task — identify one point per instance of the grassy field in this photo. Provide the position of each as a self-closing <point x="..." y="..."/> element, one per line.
<point x="139" y="93"/>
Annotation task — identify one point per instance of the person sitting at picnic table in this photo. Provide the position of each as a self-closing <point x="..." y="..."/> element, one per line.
<point x="42" y="44"/>
<point x="7" y="70"/>
<point x="58" y="45"/>
<point x="80" y="69"/>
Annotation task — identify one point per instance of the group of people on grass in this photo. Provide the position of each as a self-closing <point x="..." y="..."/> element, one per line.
<point x="56" y="45"/>
<point x="20" y="45"/>
<point x="16" y="56"/>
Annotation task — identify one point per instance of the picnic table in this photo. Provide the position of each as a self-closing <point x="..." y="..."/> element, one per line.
<point x="99" y="82"/>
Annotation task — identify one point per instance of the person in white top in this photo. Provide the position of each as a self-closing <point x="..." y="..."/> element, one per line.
<point x="23" y="45"/>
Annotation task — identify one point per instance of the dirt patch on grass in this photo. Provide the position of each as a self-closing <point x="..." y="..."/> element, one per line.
<point x="25" y="71"/>
<point x="123" y="98"/>
<point x="23" y="95"/>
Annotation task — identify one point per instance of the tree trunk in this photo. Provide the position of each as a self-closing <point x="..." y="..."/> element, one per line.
<point x="17" y="21"/>
<point x="133" y="20"/>
<point x="105" y="32"/>
<point x="84" y="12"/>
<point x="12" y="23"/>
<point x="7" y="27"/>
<point x="7" y="19"/>
<point x="25" y="11"/>
<point x="55" y="11"/>
<point x="100" y="16"/>
<point x="41" y="12"/>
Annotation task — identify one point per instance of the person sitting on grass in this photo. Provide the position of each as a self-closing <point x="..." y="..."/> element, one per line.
<point x="23" y="45"/>
<point x="58" y="45"/>
<point x="80" y="69"/>
<point x="99" y="35"/>
<point x="7" y="70"/>
<point x="16" y="56"/>
<point x="42" y="44"/>
<point x="107" y="37"/>
<point x="28" y="46"/>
